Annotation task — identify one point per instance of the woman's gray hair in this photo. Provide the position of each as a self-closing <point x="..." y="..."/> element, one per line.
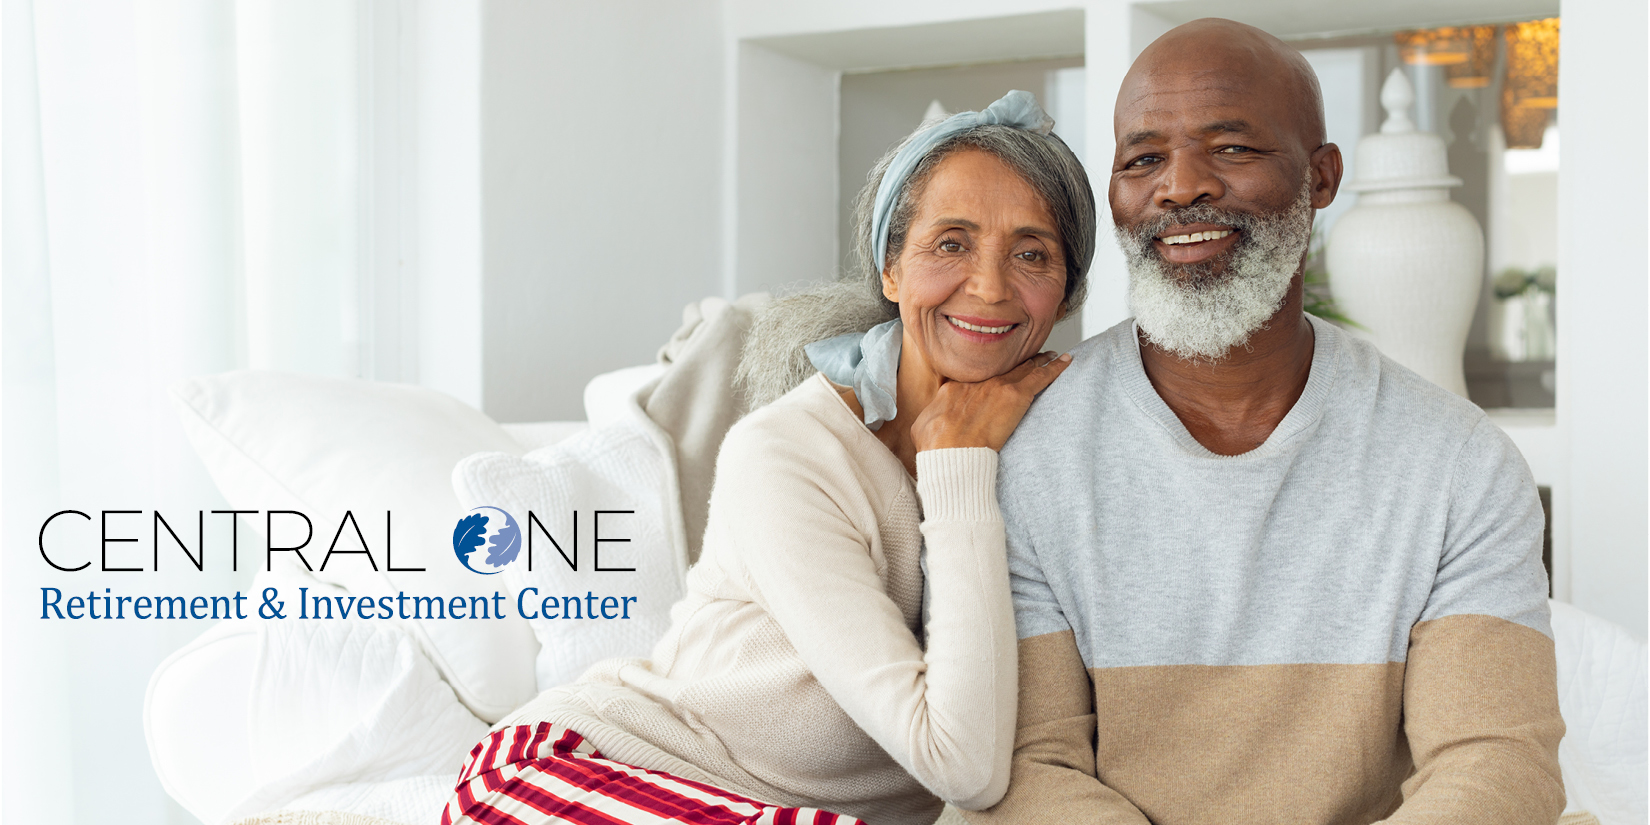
<point x="773" y="363"/>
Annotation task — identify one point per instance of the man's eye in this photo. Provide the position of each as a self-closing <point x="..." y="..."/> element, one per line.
<point x="1236" y="150"/>
<point x="1146" y="160"/>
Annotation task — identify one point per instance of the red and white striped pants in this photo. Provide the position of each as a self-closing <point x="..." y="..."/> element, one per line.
<point x="544" y="773"/>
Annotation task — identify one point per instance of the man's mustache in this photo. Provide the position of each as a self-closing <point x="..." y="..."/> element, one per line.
<point x="1144" y="233"/>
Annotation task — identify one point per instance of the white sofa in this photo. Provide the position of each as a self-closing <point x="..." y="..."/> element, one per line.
<point x="219" y="745"/>
<point x="373" y="717"/>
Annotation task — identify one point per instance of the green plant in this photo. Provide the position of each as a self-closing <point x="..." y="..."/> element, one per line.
<point x="1513" y="282"/>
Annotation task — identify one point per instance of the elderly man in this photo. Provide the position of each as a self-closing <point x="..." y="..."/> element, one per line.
<point x="1262" y="573"/>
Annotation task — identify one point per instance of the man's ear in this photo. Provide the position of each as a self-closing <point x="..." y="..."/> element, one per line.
<point x="1327" y="167"/>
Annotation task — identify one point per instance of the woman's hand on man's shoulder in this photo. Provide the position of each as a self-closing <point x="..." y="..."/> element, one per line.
<point x="984" y="414"/>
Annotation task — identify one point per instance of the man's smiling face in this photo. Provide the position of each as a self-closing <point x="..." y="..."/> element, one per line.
<point x="1220" y="162"/>
<point x="1205" y="127"/>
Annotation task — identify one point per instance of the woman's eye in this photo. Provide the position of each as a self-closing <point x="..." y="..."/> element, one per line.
<point x="950" y="246"/>
<point x="1031" y="255"/>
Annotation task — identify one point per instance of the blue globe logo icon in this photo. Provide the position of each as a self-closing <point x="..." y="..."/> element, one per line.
<point x="487" y="540"/>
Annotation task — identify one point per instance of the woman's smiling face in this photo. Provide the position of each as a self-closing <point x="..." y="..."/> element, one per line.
<point x="981" y="279"/>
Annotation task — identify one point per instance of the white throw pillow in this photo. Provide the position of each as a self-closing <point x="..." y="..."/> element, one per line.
<point x="336" y="703"/>
<point x="321" y="446"/>
<point x="619" y="467"/>
<point x="611" y="396"/>
<point x="536" y="434"/>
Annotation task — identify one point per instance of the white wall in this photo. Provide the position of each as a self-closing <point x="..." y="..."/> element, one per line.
<point x="1602" y="366"/>
<point x="601" y="135"/>
<point x="1532" y="209"/>
<point x="787" y="220"/>
<point x="448" y="197"/>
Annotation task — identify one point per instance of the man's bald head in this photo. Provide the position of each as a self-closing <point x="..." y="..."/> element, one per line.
<point x="1229" y="53"/>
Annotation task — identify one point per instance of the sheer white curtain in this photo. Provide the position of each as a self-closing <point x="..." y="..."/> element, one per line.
<point x="181" y="196"/>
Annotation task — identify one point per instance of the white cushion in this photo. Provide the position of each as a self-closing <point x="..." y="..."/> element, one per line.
<point x="306" y="715"/>
<point x="621" y="466"/>
<point x="338" y="703"/>
<point x="1602" y="675"/>
<point x="195" y="719"/>
<point x="321" y="446"/>
<point x="534" y="435"/>
<point x="610" y="397"/>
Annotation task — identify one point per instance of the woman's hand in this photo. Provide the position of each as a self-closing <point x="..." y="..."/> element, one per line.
<point x="985" y="414"/>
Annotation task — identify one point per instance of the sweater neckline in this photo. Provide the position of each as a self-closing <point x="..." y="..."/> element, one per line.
<point x="858" y="424"/>
<point x="1320" y="379"/>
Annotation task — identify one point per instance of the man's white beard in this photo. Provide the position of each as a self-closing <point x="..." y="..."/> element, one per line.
<point x="1192" y="312"/>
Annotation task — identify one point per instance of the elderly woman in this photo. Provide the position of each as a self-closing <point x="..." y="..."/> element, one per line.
<point x="804" y="677"/>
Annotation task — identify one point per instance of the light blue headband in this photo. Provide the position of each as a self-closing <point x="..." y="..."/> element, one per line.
<point x="1017" y="109"/>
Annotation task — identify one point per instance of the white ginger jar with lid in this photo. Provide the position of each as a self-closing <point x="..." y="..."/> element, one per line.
<point x="1406" y="263"/>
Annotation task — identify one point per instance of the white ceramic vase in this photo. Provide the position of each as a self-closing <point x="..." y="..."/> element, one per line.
<point x="1406" y="263"/>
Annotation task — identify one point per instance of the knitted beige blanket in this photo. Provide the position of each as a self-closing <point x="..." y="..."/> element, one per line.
<point x="695" y="402"/>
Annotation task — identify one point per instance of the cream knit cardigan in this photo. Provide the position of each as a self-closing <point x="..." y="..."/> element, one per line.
<point x="795" y="670"/>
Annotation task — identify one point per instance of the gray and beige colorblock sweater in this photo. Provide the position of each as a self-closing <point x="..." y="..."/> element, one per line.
<point x="1346" y="624"/>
